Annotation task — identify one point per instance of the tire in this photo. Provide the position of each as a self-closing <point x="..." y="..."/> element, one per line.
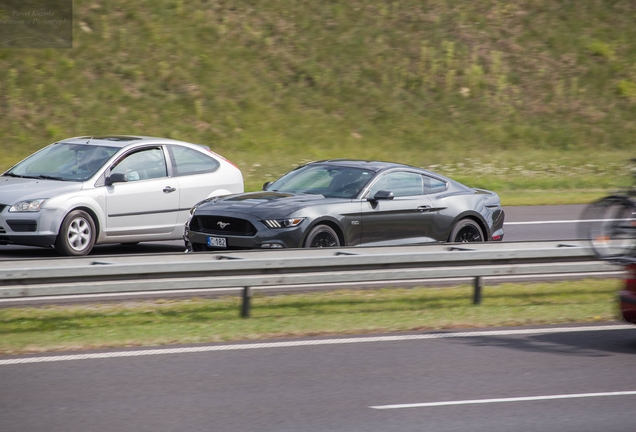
<point x="466" y="231"/>
<point x="610" y="226"/>
<point x="322" y="236"/>
<point x="77" y="234"/>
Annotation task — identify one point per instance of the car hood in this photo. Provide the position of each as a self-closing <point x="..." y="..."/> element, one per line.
<point x="14" y="189"/>
<point x="264" y="204"/>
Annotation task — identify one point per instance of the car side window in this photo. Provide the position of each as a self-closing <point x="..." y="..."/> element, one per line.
<point x="433" y="185"/>
<point x="142" y="165"/>
<point x="186" y="161"/>
<point x="400" y="183"/>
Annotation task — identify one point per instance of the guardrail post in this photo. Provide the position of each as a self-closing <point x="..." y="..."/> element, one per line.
<point x="245" y="306"/>
<point x="477" y="291"/>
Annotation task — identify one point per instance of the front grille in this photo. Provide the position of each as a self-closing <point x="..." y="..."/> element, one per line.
<point x="213" y="224"/>
<point x="23" y="225"/>
<point x="2" y="207"/>
<point x="2" y="230"/>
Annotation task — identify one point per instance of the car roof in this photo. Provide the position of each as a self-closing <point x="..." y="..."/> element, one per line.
<point x="372" y="165"/>
<point x="121" y="141"/>
<point x="377" y="166"/>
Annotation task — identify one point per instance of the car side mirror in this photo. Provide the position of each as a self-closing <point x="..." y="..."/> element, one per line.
<point x="116" y="178"/>
<point x="382" y="195"/>
<point x="266" y="185"/>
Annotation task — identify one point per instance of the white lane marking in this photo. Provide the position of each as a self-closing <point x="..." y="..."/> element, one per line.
<point x="500" y="400"/>
<point x="576" y="221"/>
<point x="554" y="222"/>
<point x="564" y="221"/>
<point x="343" y="341"/>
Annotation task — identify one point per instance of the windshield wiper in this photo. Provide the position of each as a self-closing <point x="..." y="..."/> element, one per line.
<point x="41" y="176"/>
<point x="11" y="175"/>
<point x="48" y="177"/>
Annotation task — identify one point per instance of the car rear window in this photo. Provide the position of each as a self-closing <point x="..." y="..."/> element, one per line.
<point x="187" y="161"/>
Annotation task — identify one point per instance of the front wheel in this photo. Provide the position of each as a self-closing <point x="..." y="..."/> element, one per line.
<point x="322" y="236"/>
<point x="77" y="234"/>
<point x="466" y="231"/>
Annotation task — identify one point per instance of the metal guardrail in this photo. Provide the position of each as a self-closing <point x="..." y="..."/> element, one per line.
<point x="261" y="269"/>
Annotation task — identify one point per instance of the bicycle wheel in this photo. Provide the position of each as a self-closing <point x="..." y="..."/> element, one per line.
<point x="610" y="226"/>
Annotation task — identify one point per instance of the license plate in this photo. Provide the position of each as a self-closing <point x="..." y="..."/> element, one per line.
<point x="217" y="242"/>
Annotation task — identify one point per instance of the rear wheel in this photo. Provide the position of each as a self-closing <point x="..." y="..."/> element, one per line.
<point x="466" y="231"/>
<point x="77" y="234"/>
<point x="322" y="236"/>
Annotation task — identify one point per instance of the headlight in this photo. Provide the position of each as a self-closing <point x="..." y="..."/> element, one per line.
<point x="27" y="206"/>
<point x="283" y="223"/>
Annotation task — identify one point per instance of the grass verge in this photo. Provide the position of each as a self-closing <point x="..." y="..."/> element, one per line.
<point x="164" y="322"/>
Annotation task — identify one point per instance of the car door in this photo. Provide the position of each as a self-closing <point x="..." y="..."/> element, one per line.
<point x="405" y="219"/>
<point x="148" y="202"/>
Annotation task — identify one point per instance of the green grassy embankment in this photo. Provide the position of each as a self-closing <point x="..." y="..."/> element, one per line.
<point x="535" y="99"/>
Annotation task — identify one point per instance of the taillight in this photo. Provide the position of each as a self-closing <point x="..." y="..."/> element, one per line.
<point x="630" y="281"/>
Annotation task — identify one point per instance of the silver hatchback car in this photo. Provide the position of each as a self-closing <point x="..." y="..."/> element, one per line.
<point x="83" y="191"/>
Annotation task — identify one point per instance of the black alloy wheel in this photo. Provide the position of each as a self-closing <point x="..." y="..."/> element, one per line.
<point x="322" y="236"/>
<point x="466" y="231"/>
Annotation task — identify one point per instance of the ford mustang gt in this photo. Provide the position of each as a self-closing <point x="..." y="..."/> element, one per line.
<point x="347" y="203"/>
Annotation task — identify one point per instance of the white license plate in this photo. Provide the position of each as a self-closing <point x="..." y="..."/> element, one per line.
<point x="217" y="242"/>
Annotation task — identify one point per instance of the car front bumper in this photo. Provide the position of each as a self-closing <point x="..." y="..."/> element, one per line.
<point x="29" y="228"/>
<point x="281" y="238"/>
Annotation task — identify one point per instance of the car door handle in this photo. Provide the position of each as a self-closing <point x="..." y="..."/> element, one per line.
<point x="424" y="208"/>
<point x="169" y="189"/>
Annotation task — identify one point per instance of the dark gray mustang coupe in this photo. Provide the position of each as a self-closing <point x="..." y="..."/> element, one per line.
<point x="347" y="203"/>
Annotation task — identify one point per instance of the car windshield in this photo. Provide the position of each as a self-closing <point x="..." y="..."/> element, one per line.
<point x="327" y="180"/>
<point x="63" y="161"/>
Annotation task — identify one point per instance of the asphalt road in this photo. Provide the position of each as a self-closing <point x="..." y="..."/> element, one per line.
<point x="540" y="223"/>
<point x="532" y="379"/>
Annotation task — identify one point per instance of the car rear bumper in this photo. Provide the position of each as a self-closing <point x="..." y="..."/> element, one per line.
<point x="497" y="235"/>
<point x="498" y="217"/>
